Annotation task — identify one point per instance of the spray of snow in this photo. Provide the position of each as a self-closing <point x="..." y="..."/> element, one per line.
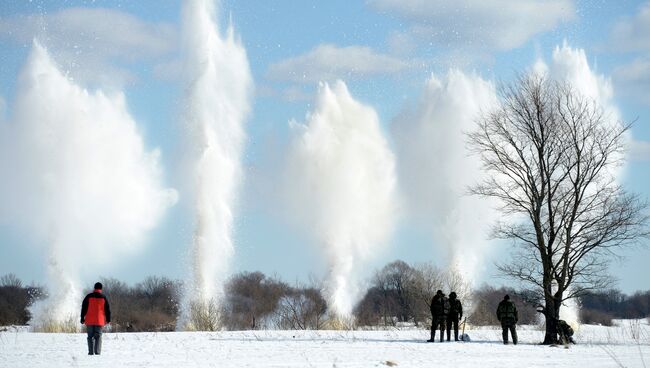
<point x="436" y="168"/>
<point x="77" y="176"/>
<point x="341" y="179"/>
<point x="219" y="88"/>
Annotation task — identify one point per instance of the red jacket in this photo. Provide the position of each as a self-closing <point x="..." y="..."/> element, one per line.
<point x="95" y="310"/>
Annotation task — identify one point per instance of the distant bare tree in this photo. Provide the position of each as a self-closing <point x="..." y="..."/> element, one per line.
<point x="427" y="279"/>
<point x="151" y="305"/>
<point x="301" y="308"/>
<point x="400" y="292"/>
<point x="486" y="298"/>
<point x="251" y="297"/>
<point x="551" y="155"/>
<point x="15" y="300"/>
<point x="395" y="281"/>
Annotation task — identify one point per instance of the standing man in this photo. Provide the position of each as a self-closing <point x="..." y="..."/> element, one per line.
<point x="507" y="315"/>
<point x="455" y="315"/>
<point x="95" y="313"/>
<point x="439" y="309"/>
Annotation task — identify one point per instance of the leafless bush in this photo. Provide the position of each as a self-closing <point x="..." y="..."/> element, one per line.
<point x="68" y="325"/>
<point x="595" y="317"/>
<point x="205" y="316"/>
<point x="251" y="299"/>
<point x="15" y="300"/>
<point x="149" y="306"/>
<point x="301" y="309"/>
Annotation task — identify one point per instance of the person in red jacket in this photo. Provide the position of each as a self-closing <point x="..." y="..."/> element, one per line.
<point x="95" y="313"/>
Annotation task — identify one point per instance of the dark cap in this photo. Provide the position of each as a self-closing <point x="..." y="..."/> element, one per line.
<point x="507" y="297"/>
<point x="98" y="286"/>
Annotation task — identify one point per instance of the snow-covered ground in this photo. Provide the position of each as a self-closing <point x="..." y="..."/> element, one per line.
<point x="627" y="345"/>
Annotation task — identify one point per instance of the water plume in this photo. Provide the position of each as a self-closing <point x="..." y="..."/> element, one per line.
<point x="218" y="91"/>
<point x="436" y="168"/>
<point x="342" y="185"/>
<point x="78" y="179"/>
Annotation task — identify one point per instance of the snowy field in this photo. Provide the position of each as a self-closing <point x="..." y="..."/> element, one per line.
<point x="627" y="345"/>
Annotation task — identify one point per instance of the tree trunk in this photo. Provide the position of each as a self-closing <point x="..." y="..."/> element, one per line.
<point x="551" y="314"/>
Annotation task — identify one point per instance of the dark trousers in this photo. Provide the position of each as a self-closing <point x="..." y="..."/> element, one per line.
<point x="94" y="339"/>
<point x="452" y="320"/>
<point x="438" y="322"/>
<point x="513" y="331"/>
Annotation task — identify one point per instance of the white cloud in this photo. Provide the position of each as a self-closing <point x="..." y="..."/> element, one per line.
<point x="329" y="62"/>
<point x="498" y="24"/>
<point x="88" y="42"/>
<point x="632" y="33"/>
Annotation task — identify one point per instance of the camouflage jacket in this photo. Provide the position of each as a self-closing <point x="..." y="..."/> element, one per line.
<point x="455" y="308"/>
<point x="439" y="306"/>
<point x="507" y="312"/>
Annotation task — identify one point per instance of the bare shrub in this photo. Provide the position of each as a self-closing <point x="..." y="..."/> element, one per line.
<point x="595" y="317"/>
<point x="301" y="309"/>
<point x="68" y="325"/>
<point x="251" y="299"/>
<point x="15" y="300"/>
<point x="149" y="306"/>
<point x="204" y="316"/>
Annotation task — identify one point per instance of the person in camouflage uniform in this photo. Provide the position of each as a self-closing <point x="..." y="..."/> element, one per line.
<point x="507" y="315"/>
<point x="439" y="310"/>
<point x="565" y="332"/>
<point x="455" y="315"/>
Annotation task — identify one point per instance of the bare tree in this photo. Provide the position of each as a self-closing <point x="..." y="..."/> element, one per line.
<point x="301" y="308"/>
<point x="251" y="298"/>
<point x="395" y="281"/>
<point x="551" y="155"/>
<point x="400" y="292"/>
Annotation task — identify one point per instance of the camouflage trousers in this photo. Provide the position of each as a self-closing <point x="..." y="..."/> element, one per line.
<point x="512" y="327"/>
<point x="438" y="323"/>
<point x="452" y="322"/>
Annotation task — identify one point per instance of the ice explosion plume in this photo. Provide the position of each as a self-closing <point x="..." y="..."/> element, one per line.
<point x="341" y="178"/>
<point x="77" y="176"/>
<point x="436" y="168"/>
<point x="218" y="92"/>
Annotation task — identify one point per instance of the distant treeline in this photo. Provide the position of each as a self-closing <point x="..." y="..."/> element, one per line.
<point x="397" y="293"/>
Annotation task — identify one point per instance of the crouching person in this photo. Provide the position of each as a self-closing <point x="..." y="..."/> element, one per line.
<point x="565" y="332"/>
<point x="95" y="313"/>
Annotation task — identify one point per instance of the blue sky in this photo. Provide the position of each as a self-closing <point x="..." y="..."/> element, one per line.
<point x="384" y="49"/>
